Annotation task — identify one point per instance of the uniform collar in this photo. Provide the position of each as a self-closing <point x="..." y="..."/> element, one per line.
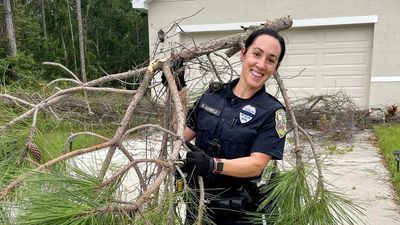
<point x="228" y="92"/>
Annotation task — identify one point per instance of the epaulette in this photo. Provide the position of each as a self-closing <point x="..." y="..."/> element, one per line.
<point x="216" y="86"/>
<point x="261" y="102"/>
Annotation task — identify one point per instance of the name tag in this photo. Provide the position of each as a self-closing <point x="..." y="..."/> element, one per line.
<point x="210" y="109"/>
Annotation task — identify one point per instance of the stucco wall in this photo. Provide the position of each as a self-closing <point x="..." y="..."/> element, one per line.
<point x="386" y="46"/>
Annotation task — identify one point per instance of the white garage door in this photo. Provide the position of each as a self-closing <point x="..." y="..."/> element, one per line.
<point x="333" y="58"/>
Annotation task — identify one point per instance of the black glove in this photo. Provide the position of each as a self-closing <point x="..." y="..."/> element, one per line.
<point x="198" y="163"/>
<point x="193" y="147"/>
<point x="178" y="71"/>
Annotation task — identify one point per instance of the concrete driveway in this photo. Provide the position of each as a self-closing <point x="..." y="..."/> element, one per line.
<point x="357" y="169"/>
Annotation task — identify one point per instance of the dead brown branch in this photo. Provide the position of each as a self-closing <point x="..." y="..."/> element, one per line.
<point x="200" y="211"/>
<point x="125" y="169"/>
<point x="232" y="40"/>
<point x="153" y="67"/>
<point x="296" y="127"/>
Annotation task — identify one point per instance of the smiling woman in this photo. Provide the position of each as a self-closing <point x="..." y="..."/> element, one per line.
<point x="261" y="57"/>
<point x="238" y="128"/>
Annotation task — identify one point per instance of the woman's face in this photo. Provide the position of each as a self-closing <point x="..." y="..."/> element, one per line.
<point x="260" y="61"/>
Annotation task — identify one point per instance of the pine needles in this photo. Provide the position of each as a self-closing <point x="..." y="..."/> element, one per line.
<point x="293" y="199"/>
<point x="55" y="198"/>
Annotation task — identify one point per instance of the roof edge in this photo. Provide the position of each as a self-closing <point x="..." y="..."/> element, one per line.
<point x="141" y="5"/>
<point x="312" y="22"/>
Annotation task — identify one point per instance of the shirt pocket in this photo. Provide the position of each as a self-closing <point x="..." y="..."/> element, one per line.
<point x="206" y="126"/>
<point x="237" y="141"/>
<point x="207" y="122"/>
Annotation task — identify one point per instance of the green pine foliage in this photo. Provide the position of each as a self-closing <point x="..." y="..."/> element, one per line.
<point x="12" y="145"/>
<point x="70" y="197"/>
<point x="293" y="199"/>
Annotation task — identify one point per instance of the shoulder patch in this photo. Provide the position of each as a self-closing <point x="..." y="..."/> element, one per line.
<point x="280" y="122"/>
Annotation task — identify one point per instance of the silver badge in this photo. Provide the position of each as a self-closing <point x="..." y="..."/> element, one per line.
<point x="247" y="113"/>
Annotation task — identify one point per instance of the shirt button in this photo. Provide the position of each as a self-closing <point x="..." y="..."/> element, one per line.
<point x="223" y="119"/>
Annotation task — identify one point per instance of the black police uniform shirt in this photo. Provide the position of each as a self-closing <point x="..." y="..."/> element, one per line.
<point x="239" y="126"/>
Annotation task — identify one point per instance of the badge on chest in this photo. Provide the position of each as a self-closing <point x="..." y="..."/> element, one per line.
<point x="247" y="113"/>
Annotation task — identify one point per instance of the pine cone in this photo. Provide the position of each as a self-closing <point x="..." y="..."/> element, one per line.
<point x="34" y="150"/>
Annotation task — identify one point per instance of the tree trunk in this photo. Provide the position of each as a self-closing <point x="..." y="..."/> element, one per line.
<point x="44" y="20"/>
<point x="81" y="45"/>
<point x="2" y="35"/>
<point x="12" y="44"/>
<point x="66" y="61"/>
<point x="72" y="36"/>
<point x="82" y="49"/>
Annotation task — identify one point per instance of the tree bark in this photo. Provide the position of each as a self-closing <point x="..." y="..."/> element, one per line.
<point x="72" y="36"/>
<point x="2" y="36"/>
<point x="66" y="59"/>
<point x="82" y="49"/>
<point x="12" y="43"/>
<point x="44" y="20"/>
<point x="81" y="45"/>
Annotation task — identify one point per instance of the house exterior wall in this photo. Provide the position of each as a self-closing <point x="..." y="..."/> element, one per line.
<point x="385" y="57"/>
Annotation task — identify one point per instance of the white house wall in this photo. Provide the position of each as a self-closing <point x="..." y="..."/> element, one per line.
<point x="385" y="33"/>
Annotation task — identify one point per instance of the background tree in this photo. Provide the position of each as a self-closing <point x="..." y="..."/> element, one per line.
<point x="43" y="19"/>
<point x="8" y="18"/>
<point x="81" y="37"/>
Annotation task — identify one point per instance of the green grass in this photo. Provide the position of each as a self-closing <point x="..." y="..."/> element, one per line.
<point x="389" y="139"/>
<point x="50" y="138"/>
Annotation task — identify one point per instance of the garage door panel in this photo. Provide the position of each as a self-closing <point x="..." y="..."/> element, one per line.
<point x="355" y="58"/>
<point x="341" y="58"/>
<point x="303" y="37"/>
<point x="354" y="92"/>
<point x="301" y="82"/>
<point x="297" y="93"/>
<point x="298" y="71"/>
<point x="305" y="60"/>
<point x="343" y="81"/>
<point x="343" y="35"/>
<point x="351" y="71"/>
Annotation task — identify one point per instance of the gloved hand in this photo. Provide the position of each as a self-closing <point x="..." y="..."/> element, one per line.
<point x="198" y="163"/>
<point x="179" y="72"/>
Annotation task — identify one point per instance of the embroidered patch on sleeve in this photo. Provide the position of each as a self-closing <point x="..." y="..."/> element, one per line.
<point x="280" y="122"/>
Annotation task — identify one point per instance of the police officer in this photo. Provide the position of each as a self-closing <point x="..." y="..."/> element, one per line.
<point x="239" y="129"/>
